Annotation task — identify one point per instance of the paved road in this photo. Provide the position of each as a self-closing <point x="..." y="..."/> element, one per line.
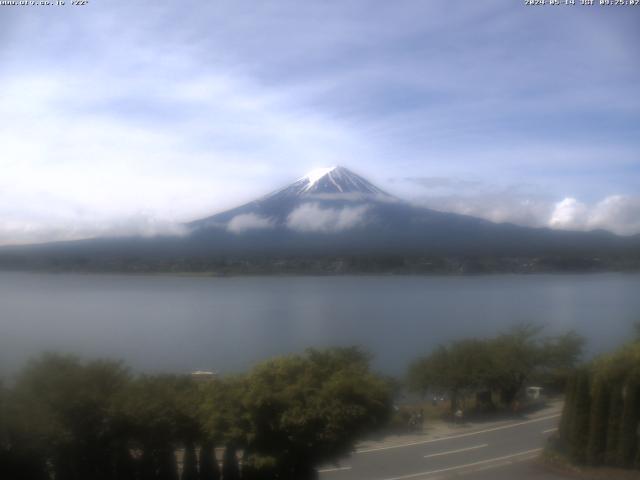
<point x="504" y="451"/>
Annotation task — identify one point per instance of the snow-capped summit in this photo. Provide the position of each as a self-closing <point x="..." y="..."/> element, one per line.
<point x="331" y="180"/>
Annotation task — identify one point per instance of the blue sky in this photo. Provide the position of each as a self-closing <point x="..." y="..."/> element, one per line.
<point x="130" y="117"/>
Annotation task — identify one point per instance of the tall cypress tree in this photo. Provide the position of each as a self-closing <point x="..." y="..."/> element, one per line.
<point x="613" y="424"/>
<point x="189" y="463"/>
<point x="209" y="469"/>
<point x="167" y="465"/>
<point x="580" y="427"/>
<point x="230" y="467"/>
<point x="598" y="423"/>
<point x="629" y="423"/>
<point x="124" y="466"/>
<point x="566" y="421"/>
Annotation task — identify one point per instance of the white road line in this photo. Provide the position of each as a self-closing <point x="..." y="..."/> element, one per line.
<point x="466" y="465"/>
<point x="462" y="435"/>
<point x="450" y="452"/>
<point x="549" y="430"/>
<point x="336" y="469"/>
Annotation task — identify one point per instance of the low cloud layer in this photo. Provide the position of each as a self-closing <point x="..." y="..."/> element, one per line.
<point x="617" y="213"/>
<point x="248" y="221"/>
<point x="311" y="217"/>
<point x="22" y="231"/>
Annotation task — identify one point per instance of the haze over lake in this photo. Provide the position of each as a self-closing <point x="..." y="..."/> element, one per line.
<point x="182" y="324"/>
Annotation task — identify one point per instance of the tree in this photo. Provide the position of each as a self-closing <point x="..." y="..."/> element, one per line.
<point x="161" y="415"/>
<point x="460" y="368"/>
<point x="568" y="410"/>
<point x="597" y="444"/>
<point x="616" y="405"/>
<point x="21" y="454"/>
<point x="563" y="351"/>
<point x="600" y="425"/>
<point x="630" y="422"/>
<point x="502" y="364"/>
<point x="579" y="433"/>
<point x="304" y="410"/>
<point x="515" y="356"/>
<point x="68" y="404"/>
<point x="230" y="467"/>
<point x="221" y="410"/>
<point x="208" y="464"/>
<point x="189" y="463"/>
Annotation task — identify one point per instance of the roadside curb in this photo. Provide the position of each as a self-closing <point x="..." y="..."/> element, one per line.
<point x="442" y="430"/>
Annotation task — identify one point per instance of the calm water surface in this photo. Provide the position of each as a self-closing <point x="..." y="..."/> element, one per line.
<point x="227" y="324"/>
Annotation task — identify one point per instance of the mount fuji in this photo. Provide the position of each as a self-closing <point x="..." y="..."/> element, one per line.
<point x="325" y="200"/>
<point x="335" y="211"/>
<point x="334" y="215"/>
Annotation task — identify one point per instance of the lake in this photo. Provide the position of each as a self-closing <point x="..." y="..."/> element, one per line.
<point x="181" y="324"/>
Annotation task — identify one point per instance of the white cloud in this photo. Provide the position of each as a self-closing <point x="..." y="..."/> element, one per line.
<point x="619" y="213"/>
<point x="248" y="221"/>
<point x="310" y="217"/>
<point x="569" y="214"/>
<point x="16" y="231"/>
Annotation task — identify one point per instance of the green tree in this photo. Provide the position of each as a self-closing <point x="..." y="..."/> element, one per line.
<point x="579" y="435"/>
<point x="568" y="411"/>
<point x="515" y="357"/>
<point x="560" y="355"/>
<point x="562" y="351"/>
<point x="597" y="444"/>
<point x="222" y="410"/>
<point x="68" y="404"/>
<point x="616" y="405"/>
<point x="161" y="414"/>
<point x="502" y="364"/>
<point x="630" y="421"/>
<point x="21" y="454"/>
<point x="305" y="410"/>
<point x="458" y="369"/>
<point x="208" y="464"/>
<point x="189" y="463"/>
<point x="230" y="467"/>
<point x="602" y="428"/>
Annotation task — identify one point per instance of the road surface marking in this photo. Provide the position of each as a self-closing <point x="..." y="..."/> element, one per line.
<point x="336" y="469"/>
<point x="549" y="430"/>
<point x="462" y="435"/>
<point x="457" y="451"/>
<point x="466" y="465"/>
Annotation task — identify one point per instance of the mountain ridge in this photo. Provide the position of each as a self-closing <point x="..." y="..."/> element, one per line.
<point x="334" y="214"/>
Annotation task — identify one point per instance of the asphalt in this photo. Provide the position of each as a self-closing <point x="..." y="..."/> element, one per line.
<point x="491" y="451"/>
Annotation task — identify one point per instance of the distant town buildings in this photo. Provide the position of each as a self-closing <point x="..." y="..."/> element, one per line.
<point x="203" y="375"/>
